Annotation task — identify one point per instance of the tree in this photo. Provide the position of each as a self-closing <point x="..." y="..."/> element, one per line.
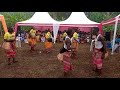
<point x="13" y="17"/>
<point x="101" y="16"/>
<point x="60" y="16"/>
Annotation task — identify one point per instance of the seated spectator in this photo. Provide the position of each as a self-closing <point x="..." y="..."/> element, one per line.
<point x="116" y="47"/>
<point x="42" y="38"/>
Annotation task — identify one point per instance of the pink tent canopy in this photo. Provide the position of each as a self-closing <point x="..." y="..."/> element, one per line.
<point x="42" y="20"/>
<point x="112" y="21"/>
<point x="62" y="28"/>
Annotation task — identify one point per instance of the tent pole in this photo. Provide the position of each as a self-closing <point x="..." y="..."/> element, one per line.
<point x="115" y="30"/>
<point x="55" y="31"/>
<point x="15" y="29"/>
<point x="100" y="28"/>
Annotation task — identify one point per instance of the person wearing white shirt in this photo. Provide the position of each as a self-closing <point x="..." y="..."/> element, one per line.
<point x="99" y="51"/>
<point x="18" y="41"/>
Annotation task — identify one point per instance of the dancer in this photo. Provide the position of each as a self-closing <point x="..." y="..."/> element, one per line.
<point x="66" y="52"/>
<point x="9" y="40"/>
<point x="32" y="39"/>
<point x="99" y="52"/>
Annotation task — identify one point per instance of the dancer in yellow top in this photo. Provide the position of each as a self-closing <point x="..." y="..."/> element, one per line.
<point x="32" y="39"/>
<point x="75" y="43"/>
<point x="9" y="45"/>
<point x="48" y="35"/>
<point x="48" y="42"/>
<point x="64" y="35"/>
<point x="48" y="45"/>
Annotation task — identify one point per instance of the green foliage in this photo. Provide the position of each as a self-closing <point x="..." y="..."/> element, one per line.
<point x="13" y="17"/>
<point x="108" y="28"/>
<point x="94" y="16"/>
<point x="60" y="16"/>
<point x="102" y="16"/>
<point x="25" y="28"/>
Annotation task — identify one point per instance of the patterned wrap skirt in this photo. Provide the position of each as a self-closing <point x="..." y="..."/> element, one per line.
<point x="11" y="53"/>
<point x="97" y="58"/>
<point x="67" y="61"/>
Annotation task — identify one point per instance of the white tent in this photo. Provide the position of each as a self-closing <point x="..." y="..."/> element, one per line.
<point x="45" y="18"/>
<point x="40" y="18"/>
<point x="76" y="19"/>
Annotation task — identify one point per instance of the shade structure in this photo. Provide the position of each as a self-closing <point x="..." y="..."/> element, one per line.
<point x="43" y="19"/>
<point x="78" y="19"/>
<point x="112" y="21"/>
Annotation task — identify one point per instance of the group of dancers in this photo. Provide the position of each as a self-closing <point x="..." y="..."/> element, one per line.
<point x="68" y="52"/>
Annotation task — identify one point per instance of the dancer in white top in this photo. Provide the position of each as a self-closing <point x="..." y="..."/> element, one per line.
<point x="66" y="51"/>
<point x="98" y="51"/>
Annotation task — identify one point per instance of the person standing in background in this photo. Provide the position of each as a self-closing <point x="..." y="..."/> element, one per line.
<point x="18" y="41"/>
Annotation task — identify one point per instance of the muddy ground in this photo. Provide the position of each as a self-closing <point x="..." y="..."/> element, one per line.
<point x="41" y="65"/>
